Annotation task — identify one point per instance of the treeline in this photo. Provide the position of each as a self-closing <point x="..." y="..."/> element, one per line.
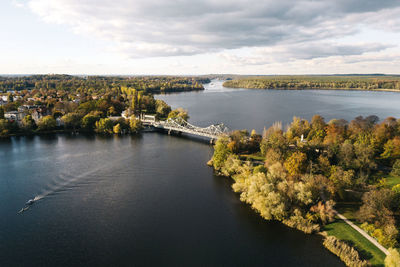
<point x="101" y="84"/>
<point x="317" y="82"/>
<point x="312" y="165"/>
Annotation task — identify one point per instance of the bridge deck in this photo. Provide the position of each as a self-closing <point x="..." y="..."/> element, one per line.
<point x="212" y="132"/>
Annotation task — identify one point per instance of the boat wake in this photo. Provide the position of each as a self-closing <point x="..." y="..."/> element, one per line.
<point x="62" y="183"/>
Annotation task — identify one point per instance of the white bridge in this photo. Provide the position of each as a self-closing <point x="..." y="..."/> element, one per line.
<point x="179" y="125"/>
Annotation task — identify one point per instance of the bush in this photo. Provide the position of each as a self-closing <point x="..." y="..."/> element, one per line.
<point x="385" y="237"/>
<point x="396" y="168"/>
<point x="345" y="252"/>
<point x="393" y="258"/>
<point x="259" y="168"/>
<point x="300" y="223"/>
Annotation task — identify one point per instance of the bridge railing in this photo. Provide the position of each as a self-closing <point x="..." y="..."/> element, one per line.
<point x="180" y="125"/>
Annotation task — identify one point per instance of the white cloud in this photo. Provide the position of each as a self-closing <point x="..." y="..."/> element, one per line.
<point x="186" y="27"/>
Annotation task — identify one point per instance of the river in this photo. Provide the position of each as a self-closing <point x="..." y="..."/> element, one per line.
<point x="150" y="200"/>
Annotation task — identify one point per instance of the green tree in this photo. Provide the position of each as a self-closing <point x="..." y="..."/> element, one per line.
<point x="162" y="109"/>
<point x="72" y="120"/>
<point x="221" y="152"/>
<point x="28" y="124"/>
<point x="89" y="121"/>
<point x="135" y="125"/>
<point x="47" y="123"/>
<point x="179" y="113"/>
<point x="4" y="128"/>
<point x="396" y="168"/>
<point x="104" y="126"/>
<point x="392" y="149"/>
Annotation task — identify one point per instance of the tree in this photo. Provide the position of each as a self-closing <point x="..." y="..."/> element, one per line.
<point x="117" y="128"/>
<point x="28" y="124"/>
<point x="179" y="113"/>
<point x="378" y="206"/>
<point x="47" y="123"/>
<point x="296" y="163"/>
<point x="393" y="258"/>
<point x="135" y="125"/>
<point x="72" y="120"/>
<point x="297" y="128"/>
<point x="392" y="149"/>
<point x="347" y="155"/>
<point x="162" y="109"/>
<point x="275" y="139"/>
<point x="4" y="128"/>
<point x="365" y="158"/>
<point x="104" y="126"/>
<point x="1" y="113"/>
<point x="396" y="168"/>
<point x="89" y="122"/>
<point x="221" y="152"/>
<point x="335" y="132"/>
<point x="341" y="179"/>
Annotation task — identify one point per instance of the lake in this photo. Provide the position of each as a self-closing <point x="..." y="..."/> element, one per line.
<point x="257" y="108"/>
<point x="151" y="199"/>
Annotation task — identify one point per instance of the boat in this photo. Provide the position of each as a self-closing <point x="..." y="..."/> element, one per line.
<point x="30" y="202"/>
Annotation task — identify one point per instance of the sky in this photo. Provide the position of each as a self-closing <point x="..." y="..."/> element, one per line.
<point x="189" y="37"/>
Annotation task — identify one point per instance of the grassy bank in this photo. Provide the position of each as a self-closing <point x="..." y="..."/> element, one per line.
<point x="346" y="233"/>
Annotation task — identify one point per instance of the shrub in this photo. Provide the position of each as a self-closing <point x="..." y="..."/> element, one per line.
<point x="345" y="252"/>
<point x="386" y="237"/>
<point x="393" y="258"/>
<point x="396" y="168"/>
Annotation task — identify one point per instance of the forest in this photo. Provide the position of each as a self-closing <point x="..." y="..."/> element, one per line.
<point x="302" y="174"/>
<point x="101" y="84"/>
<point x="350" y="82"/>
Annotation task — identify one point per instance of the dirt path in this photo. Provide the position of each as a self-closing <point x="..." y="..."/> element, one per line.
<point x="363" y="233"/>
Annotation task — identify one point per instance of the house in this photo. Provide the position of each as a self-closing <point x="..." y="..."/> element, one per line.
<point x="14" y="116"/>
<point x="25" y="108"/>
<point x="39" y="113"/>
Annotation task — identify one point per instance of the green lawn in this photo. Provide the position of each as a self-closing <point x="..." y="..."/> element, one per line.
<point x="256" y="156"/>
<point x="348" y="209"/>
<point x="367" y="250"/>
<point x="392" y="180"/>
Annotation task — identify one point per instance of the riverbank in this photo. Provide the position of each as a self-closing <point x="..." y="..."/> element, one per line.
<point x="356" y="83"/>
<point x="296" y="176"/>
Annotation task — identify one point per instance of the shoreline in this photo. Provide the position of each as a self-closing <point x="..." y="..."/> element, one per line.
<point x="315" y="89"/>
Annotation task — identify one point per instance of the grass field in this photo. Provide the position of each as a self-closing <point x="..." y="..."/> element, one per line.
<point x="367" y="250"/>
<point x="392" y="180"/>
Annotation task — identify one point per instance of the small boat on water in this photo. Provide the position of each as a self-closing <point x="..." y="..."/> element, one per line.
<point x="30" y="202"/>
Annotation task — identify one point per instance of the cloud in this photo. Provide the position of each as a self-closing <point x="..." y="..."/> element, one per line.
<point x="147" y="28"/>
<point x="304" y="51"/>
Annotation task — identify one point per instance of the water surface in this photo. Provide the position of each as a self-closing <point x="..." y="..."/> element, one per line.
<point x="133" y="201"/>
<point x="254" y="108"/>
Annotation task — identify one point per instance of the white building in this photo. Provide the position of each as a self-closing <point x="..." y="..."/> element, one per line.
<point x="14" y="116"/>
